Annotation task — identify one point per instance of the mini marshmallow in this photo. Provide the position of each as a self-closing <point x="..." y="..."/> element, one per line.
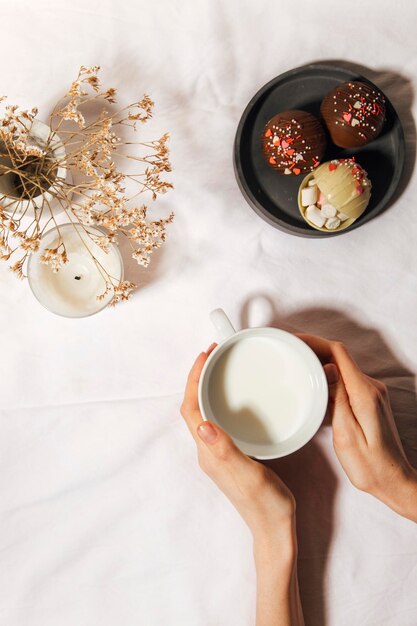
<point x="328" y="210"/>
<point x="342" y="217"/>
<point x="312" y="182"/>
<point x="321" y="199"/>
<point x="332" y="223"/>
<point x="308" y="196"/>
<point x="313" y="214"/>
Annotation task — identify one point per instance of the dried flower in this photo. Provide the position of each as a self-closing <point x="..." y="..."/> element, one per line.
<point x="90" y="147"/>
<point x="122" y="291"/>
<point x="54" y="258"/>
<point x="17" y="268"/>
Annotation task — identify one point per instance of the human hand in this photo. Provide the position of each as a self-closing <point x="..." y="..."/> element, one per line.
<point x="365" y="436"/>
<point x="264" y="502"/>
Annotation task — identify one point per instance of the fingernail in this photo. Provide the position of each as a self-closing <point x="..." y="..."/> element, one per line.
<point x="332" y="373"/>
<point x="207" y="432"/>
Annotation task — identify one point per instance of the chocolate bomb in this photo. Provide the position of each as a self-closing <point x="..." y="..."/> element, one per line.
<point x="354" y="114"/>
<point x="293" y="142"/>
<point x="335" y="195"/>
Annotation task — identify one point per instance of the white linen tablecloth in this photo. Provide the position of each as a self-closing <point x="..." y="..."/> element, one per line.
<point x="106" y="518"/>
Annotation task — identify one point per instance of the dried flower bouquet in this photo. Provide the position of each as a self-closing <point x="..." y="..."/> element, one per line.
<point x="36" y="187"/>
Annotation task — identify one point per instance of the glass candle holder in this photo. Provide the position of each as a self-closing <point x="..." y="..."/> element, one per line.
<point x="73" y="290"/>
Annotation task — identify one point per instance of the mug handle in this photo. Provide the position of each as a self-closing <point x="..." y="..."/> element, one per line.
<point x="222" y="324"/>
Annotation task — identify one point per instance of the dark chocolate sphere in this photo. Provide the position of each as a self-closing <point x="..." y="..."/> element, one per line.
<point x="354" y="114"/>
<point x="293" y="142"/>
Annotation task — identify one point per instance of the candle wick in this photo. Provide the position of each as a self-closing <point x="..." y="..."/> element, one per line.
<point x="77" y="277"/>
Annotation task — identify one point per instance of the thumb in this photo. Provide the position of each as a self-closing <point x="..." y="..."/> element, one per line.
<point x="343" y="419"/>
<point x="337" y="389"/>
<point x="219" y="442"/>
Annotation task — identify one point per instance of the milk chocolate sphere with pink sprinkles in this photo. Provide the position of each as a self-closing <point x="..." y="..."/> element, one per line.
<point x="293" y="142"/>
<point x="354" y="114"/>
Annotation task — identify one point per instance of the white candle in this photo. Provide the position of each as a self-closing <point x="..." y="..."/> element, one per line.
<point x="72" y="291"/>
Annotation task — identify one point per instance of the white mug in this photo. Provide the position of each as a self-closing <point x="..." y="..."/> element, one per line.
<point x="265" y="387"/>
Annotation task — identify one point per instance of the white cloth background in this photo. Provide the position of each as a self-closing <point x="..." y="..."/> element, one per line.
<point x="106" y="519"/>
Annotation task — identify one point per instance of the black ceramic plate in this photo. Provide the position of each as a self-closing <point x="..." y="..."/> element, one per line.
<point x="274" y="196"/>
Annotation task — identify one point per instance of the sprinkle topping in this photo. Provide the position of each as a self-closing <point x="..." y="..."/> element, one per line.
<point x="354" y="105"/>
<point x="293" y="142"/>
<point x="356" y="170"/>
<point x="363" y="108"/>
<point x="280" y="142"/>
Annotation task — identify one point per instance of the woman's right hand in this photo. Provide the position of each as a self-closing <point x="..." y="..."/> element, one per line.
<point x="365" y="436"/>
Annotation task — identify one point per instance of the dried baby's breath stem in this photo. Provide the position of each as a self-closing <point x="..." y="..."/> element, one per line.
<point x="35" y="191"/>
<point x="99" y="266"/>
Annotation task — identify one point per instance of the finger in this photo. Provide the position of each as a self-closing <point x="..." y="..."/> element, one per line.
<point x="346" y="428"/>
<point x="336" y="352"/>
<point x="332" y="374"/>
<point x="351" y="373"/>
<point x="319" y="345"/>
<point x="357" y="387"/>
<point x="221" y="445"/>
<point x="190" y="409"/>
<point x="191" y="389"/>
